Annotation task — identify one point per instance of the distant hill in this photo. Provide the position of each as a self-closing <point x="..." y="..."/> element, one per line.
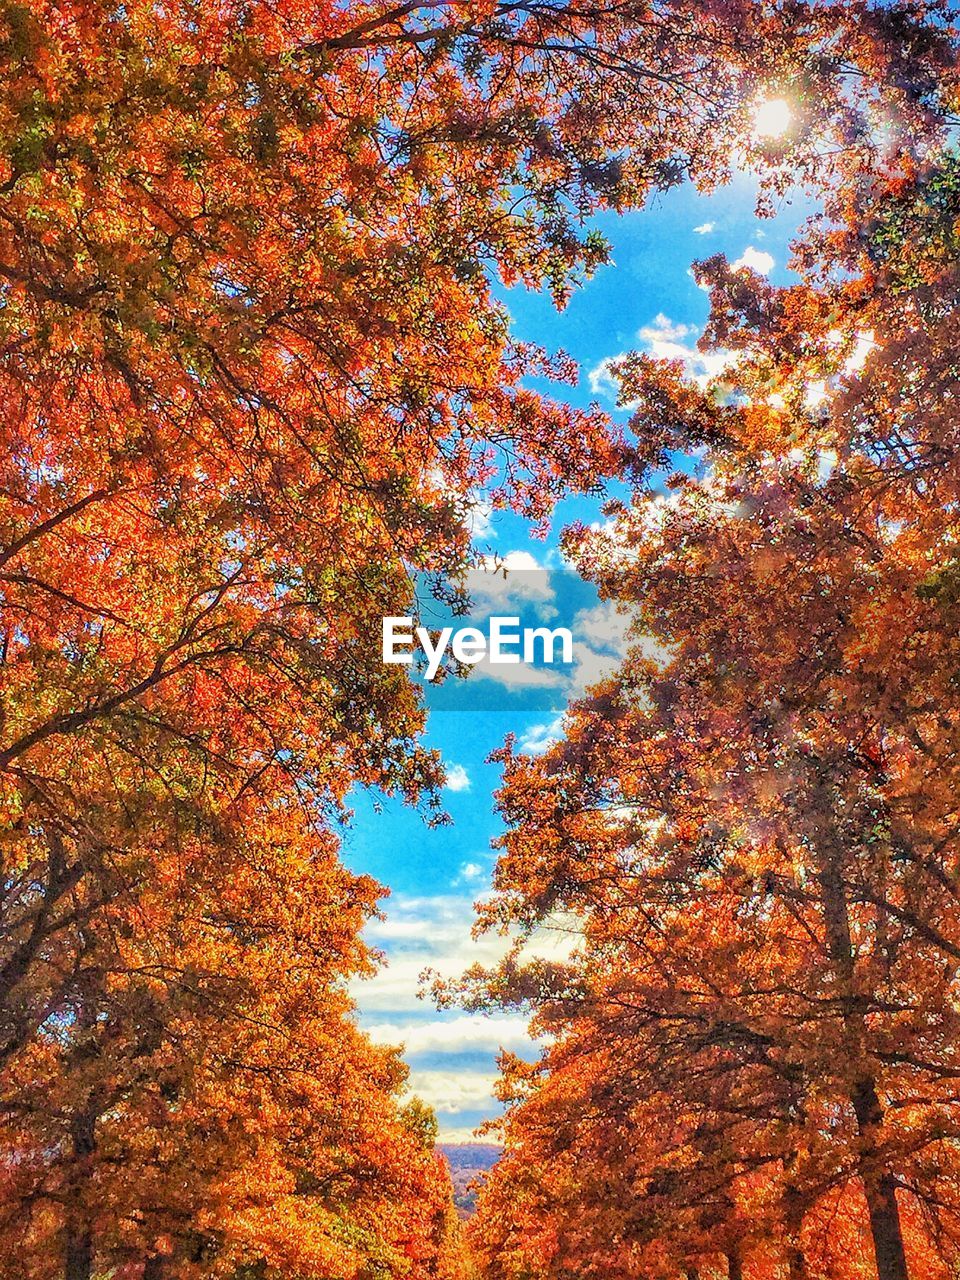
<point x="469" y="1163"/>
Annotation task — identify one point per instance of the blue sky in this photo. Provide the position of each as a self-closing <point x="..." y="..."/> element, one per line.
<point x="645" y="300"/>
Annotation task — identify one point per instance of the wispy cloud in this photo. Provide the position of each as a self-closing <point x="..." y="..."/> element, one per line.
<point x="434" y="933"/>
<point x="454" y="1090"/>
<point x="454" y="1035"/>
<point x="605" y="625"/>
<point x="520" y="675"/>
<point x="473" y="873"/>
<point x="541" y="737"/>
<point x="704" y="228"/>
<point x="480" y="519"/>
<point x="508" y="581"/>
<point x="457" y="778"/>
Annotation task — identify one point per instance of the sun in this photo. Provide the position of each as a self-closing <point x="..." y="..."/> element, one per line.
<point x="772" y="118"/>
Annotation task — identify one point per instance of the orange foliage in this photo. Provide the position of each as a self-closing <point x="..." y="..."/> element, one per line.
<point x="752" y="1057"/>
<point x="251" y="371"/>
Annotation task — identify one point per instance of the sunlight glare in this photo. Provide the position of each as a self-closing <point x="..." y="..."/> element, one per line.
<point x="772" y="118"/>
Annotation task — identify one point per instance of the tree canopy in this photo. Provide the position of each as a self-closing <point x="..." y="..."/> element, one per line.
<point x="252" y="373"/>
<point x="752" y="1059"/>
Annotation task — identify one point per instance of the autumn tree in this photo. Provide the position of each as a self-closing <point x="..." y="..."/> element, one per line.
<point x="220" y="1111"/>
<point x="753" y="825"/>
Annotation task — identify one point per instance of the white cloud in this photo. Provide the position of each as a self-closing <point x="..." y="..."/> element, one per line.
<point x="857" y="358"/>
<point x="815" y="394"/>
<point x="541" y="737"/>
<point x="605" y="625"/>
<point x="460" y="1134"/>
<point x="601" y="379"/>
<point x="512" y="560"/>
<point x="419" y="933"/>
<point x="476" y="509"/>
<point x="662" y="332"/>
<point x="704" y="228"/>
<point x="454" y="1090"/>
<point x="556" y="939"/>
<point x="460" y="1034"/>
<point x="754" y="260"/>
<point x="428" y="924"/>
<point x="505" y="581"/>
<point x="827" y="460"/>
<point x="600" y="642"/>
<point x="471" y="871"/>
<point x="592" y="666"/>
<point x="480" y="519"/>
<point x="664" y="339"/>
<point x="457" y="778"/>
<point x="519" y="675"/>
<point x="434" y="932"/>
<point x="394" y="987"/>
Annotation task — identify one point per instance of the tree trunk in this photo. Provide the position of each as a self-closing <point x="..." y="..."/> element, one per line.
<point x="793" y="1213"/>
<point x="78" y="1263"/>
<point x="880" y="1191"/>
<point x="78" y="1233"/>
<point x="78" y="1260"/>
<point x="78" y="1249"/>
<point x="734" y="1265"/>
<point x="796" y="1262"/>
<point x="879" y="1185"/>
<point x="885" y="1225"/>
<point x="153" y="1268"/>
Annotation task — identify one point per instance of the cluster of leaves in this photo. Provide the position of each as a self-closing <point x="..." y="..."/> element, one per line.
<point x="751" y="831"/>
